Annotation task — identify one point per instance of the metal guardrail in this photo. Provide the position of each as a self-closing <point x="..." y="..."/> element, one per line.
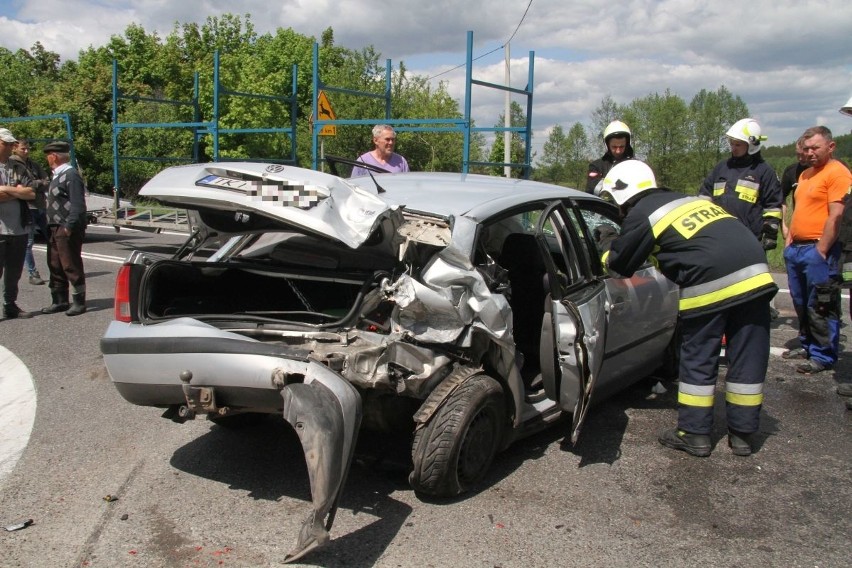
<point x="143" y="218"/>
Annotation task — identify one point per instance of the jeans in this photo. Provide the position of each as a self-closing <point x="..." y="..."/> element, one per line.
<point x="39" y="223"/>
<point x="813" y="282"/>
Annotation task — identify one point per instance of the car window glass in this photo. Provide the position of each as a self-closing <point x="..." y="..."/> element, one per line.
<point x="493" y="234"/>
<point x="556" y="229"/>
<point x="599" y="223"/>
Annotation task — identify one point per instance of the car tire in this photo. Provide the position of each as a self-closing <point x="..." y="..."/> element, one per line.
<point x="454" y="450"/>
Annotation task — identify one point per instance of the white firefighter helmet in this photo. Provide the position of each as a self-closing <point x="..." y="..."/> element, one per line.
<point x="616" y="128"/>
<point x="847" y="108"/>
<point x="626" y="180"/>
<point x="747" y="130"/>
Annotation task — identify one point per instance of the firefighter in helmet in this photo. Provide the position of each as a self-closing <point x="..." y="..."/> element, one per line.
<point x="745" y="185"/>
<point x="725" y="288"/>
<point x="616" y="138"/>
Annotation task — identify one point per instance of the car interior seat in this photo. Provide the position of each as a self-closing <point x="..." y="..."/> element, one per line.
<point x="521" y="257"/>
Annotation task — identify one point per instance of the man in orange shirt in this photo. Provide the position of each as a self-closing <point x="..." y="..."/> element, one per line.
<point x="812" y="252"/>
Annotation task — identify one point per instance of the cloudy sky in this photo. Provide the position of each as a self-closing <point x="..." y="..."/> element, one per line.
<point x="791" y="61"/>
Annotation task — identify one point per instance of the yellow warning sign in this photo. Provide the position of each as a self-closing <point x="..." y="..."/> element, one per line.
<point x="325" y="112"/>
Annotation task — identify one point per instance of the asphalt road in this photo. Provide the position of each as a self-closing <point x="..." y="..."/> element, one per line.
<point x="200" y="495"/>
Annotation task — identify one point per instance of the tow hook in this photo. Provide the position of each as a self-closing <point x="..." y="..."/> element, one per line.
<point x="199" y="400"/>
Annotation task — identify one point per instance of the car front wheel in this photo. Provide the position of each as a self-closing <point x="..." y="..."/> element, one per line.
<point x="454" y="450"/>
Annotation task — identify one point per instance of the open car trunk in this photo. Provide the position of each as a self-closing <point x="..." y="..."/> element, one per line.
<point x="236" y="291"/>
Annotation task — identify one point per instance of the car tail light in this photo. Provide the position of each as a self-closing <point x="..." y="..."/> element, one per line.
<point x="122" y="294"/>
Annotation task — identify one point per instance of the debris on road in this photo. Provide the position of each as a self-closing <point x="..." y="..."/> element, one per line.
<point x="18" y="525"/>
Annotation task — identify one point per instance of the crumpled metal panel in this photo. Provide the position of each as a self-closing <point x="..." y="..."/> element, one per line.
<point x="450" y="299"/>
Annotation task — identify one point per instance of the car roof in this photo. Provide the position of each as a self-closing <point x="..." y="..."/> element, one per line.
<point x="471" y="195"/>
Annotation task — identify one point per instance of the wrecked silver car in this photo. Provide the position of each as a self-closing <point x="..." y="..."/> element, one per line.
<point x="467" y="310"/>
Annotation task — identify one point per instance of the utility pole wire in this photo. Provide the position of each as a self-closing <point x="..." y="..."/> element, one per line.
<point x="490" y="52"/>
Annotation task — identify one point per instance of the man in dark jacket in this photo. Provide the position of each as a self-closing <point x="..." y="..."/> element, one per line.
<point x="22" y="164"/>
<point x="790" y="180"/>
<point x="66" y="219"/>
<point x="15" y="192"/>
<point x="725" y="288"/>
<point x="617" y="141"/>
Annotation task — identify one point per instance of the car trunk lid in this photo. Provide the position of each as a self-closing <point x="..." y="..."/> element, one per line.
<point x="258" y="196"/>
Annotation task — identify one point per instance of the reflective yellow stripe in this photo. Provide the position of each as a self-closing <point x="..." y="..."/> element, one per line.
<point x="703" y="401"/>
<point x="718" y="192"/>
<point x="746" y="194"/>
<point x="731" y="291"/>
<point x="690" y="218"/>
<point x="604" y="258"/>
<point x="744" y="399"/>
<point x="773" y="213"/>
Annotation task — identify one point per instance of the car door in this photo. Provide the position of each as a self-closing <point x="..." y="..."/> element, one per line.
<point x="642" y="309"/>
<point x="574" y="327"/>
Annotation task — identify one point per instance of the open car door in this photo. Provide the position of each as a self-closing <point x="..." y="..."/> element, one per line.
<point x="575" y="314"/>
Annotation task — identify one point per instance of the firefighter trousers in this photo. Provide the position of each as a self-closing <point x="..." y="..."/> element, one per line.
<point x="746" y="329"/>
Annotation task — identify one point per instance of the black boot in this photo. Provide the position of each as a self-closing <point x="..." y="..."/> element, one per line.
<point x="12" y="311"/>
<point x="693" y="444"/>
<point x="78" y="306"/>
<point x="739" y="443"/>
<point x="60" y="302"/>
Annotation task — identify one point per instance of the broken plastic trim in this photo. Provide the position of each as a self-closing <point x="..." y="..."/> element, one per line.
<point x="325" y="411"/>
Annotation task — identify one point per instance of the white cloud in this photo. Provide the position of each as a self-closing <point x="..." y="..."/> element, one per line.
<point x="789" y="60"/>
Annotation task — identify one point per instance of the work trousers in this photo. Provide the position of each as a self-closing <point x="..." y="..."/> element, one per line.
<point x="746" y="329"/>
<point x="814" y="287"/>
<point x="65" y="260"/>
<point x="12" y="251"/>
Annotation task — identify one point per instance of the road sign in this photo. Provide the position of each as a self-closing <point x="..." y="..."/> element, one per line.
<point x="325" y="112"/>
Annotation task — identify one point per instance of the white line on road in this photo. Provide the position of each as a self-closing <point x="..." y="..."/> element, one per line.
<point x="17" y="410"/>
<point x="90" y="255"/>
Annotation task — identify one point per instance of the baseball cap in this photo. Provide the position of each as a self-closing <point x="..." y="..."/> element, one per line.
<point x="6" y="136"/>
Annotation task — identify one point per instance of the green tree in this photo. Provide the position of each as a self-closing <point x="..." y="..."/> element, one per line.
<point x="577" y="151"/>
<point x="711" y="114"/>
<point x="660" y="125"/>
<point x="606" y="112"/>
<point x="564" y="157"/>
<point x="554" y="158"/>
<point x="151" y="68"/>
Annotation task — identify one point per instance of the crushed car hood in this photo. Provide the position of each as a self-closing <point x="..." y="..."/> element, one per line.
<point x="317" y="202"/>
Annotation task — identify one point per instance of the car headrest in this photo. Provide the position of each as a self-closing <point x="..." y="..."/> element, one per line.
<point x="521" y="252"/>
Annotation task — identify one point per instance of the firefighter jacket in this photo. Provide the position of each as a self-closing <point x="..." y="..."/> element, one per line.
<point x="696" y="244"/>
<point x="600" y="167"/>
<point x="748" y="189"/>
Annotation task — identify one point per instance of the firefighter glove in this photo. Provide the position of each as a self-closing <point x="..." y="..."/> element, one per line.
<point x="769" y="233"/>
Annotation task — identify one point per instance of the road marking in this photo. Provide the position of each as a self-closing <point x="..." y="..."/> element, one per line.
<point x="17" y="410"/>
<point x="90" y="255"/>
